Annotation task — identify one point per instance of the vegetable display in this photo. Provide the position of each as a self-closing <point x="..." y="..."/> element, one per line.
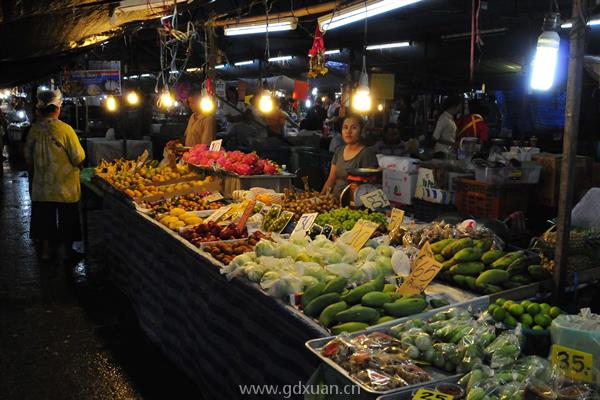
<point x="531" y="315"/>
<point x="211" y="232"/>
<point x="476" y="265"/>
<point x="346" y="218"/>
<point x="224" y="252"/>
<point x="307" y="202"/>
<point x="188" y="202"/>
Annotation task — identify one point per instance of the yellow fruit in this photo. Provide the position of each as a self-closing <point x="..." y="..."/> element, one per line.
<point x="177" y="211"/>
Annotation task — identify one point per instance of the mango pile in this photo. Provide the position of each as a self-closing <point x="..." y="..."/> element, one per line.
<point x="531" y="315"/>
<point x="475" y="265"/>
<point x="352" y="310"/>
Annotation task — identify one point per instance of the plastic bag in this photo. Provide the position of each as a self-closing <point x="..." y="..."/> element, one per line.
<point x="280" y="284"/>
<point x="504" y="350"/>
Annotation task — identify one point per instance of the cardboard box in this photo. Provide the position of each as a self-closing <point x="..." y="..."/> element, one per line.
<point x="548" y="189"/>
<point x="398" y="186"/>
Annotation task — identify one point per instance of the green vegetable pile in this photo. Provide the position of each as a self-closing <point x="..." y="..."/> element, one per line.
<point x="532" y="315"/>
<point x="346" y="218"/>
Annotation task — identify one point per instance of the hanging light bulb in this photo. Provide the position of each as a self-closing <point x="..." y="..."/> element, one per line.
<point x="132" y="98"/>
<point x="380" y="107"/>
<point x="546" y="55"/>
<point x="265" y="103"/>
<point x="166" y="100"/>
<point x="111" y="103"/>
<point x="207" y="104"/>
<point x="361" y="101"/>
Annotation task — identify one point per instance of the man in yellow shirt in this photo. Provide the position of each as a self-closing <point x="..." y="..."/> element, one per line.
<point x="54" y="154"/>
<point x="201" y="127"/>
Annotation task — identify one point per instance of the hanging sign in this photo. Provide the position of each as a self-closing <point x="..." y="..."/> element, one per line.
<point x="428" y="394"/>
<point x="92" y="82"/>
<point x="374" y="200"/>
<point x="422" y="273"/>
<point x="572" y="363"/>
<point x="361" y="232"/>
<point x="215" y="145"/>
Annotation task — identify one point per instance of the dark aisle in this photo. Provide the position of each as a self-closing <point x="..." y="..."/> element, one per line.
<point x="65" y="333"/>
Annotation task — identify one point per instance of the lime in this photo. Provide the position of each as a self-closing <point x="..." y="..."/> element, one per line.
<point x="542" y="320"/>
<point x="538" y="328"/>
<point x="555" y="312"/>
<point x="516" y="310"/>
<point x="527" y="319"/>
<point x="533" y="309"/>
<point x="499" y="314"/>
<point x="492" y="307"/>
<point x="507" y="305"/>
<point x="545" y="308"/>
<point x="525" y="326"/>
<point x="525" y="304"/>
<point x="510" y="321"/>
<point x="500" y="302"/>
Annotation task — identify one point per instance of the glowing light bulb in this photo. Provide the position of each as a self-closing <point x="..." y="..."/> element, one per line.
<point x="308" y="103"/>
<point x="544" y="64"/>
<point x="380" y="107"/>
<point x="133" y="98"/>
<point x="111" y="103"/>
<point x="361" y="101"/>
<point x="207" y="105"/>
<point x="265" y="104"/>
<point x="166" y="100"/>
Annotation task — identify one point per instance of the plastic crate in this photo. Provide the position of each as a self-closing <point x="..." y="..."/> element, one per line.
<point x="490" y="201"/>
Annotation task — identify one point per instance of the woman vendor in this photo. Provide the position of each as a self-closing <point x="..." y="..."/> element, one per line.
<point x="353" y="154"/>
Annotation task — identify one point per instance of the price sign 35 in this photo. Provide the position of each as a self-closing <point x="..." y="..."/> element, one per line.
<point x="573" y="363"/>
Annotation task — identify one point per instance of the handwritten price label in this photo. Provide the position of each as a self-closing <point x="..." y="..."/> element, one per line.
<point x="216" y="196"/>
<point x="305" y="222"/>
<point x="428" y="394"/>
<point x="396" y="218"/>
<point x="374" y="200"/>
<point x="361" y="232"/>
<point x="573" y="363"/>
<point x="423" y="272"/>
<point x="218" y="214"/>
<point x="215" y="145"/>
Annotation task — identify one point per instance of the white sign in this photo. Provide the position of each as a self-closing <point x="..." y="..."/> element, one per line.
<point x="215" y="145"/>
<point x="305" y="222"/>
<point x="374" y="200"/>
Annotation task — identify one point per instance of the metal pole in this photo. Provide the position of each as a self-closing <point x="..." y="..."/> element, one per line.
<point x="565" y="199"/>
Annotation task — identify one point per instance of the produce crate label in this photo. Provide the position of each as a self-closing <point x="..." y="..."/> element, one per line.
<point x="572" y="363"/>
<point x="216" y="196"/>
<point x="361" y="232"/>
<point x="428" y="394"/>
<point x="305" y="222"/>
<point x="218" y="214"/>
<point x="396" y="218"/>
<point x="422" y="273"/>
<point x="374" y="200"/>
<point x="215" y="145"/>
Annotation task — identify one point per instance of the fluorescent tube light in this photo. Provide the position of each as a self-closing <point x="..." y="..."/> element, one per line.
<point x="220" y="66"/>
<point x="193" y="69"/>
<point x="275" y="25"/>
<point x="360" y="11"/>
<point x="593" y="22"/>
<point x="330" y="52"/>
<point x="388" y="46"/>
<point x="282" y="58"/>
<point x="239" y="64"/>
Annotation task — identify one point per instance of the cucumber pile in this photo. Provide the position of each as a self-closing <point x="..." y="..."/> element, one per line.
<point x="475" y="265"/>
<point x="352" y="310"/>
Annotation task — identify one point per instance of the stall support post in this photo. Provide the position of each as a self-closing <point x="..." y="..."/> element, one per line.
<point x="572" y="109"/>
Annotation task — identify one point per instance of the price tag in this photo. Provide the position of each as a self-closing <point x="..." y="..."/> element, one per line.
<point x="361" y="232"/>
<point x="216" y="196"/>
<point x="396" y="218"/>
<point x="305" y="222"/>
<point x="423" y="272"/>
<point x="215" y="145"/>
<point x="375" y="200"/>
<point x="573" y="363"/>
<point x="428" y="394"/>
<point x="217" y="214"/>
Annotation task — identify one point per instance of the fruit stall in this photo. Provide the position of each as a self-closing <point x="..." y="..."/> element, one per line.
<point x="274" y="285"/>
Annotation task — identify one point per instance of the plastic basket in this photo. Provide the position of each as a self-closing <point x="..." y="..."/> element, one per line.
<point x="490" y="201"/>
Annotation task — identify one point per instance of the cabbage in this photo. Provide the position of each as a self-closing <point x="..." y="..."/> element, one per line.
<point x="308" y="281"/>
<point x="287" y="249"/>
<point x="311" y="269"/>
<point x="366" y="254"/>
<point x="370" y="270"/>
<point x="341" y="269"/>
<point x="385" y="250"/>
<point x="265" y="248"/>
<point x="303" y="256"/>
<point x="254" y="272"/>
<point x="400" y="263"/>
<point x="300" y="239"/>
<point x="243" y="259"/>
<point x="349" y="255"/>
<point x="277" y="285"/>
<point x="384" y="264"/>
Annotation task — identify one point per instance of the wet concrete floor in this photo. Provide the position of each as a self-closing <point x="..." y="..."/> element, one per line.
<point x="65" y="331"/>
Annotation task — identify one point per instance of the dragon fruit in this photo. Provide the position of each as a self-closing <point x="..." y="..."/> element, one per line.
<point x="234" y="161"/>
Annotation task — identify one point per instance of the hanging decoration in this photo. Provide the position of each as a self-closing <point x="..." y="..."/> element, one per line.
<point x="316" y="55"/>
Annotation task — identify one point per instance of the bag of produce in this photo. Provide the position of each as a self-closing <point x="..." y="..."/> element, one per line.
<point x="280" y="284"/>
<point x="505" y="349"/>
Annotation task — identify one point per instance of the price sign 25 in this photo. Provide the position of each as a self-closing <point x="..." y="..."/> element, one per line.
<point x="427" y="394"/>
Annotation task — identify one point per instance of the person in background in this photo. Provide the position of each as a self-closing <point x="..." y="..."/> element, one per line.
<point x="353" y="154"/>
<point x="54" y="154"/>
<point x="201" y="127"/>
<point x="406" y="115"/>
<point x="315" y="117"/>
<point x="332" y="105"/>
<point x="234" y="108"/>
<point x="444" y="133"/>
<point x="473" y="124"/>
<point x="390" y="143"/>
